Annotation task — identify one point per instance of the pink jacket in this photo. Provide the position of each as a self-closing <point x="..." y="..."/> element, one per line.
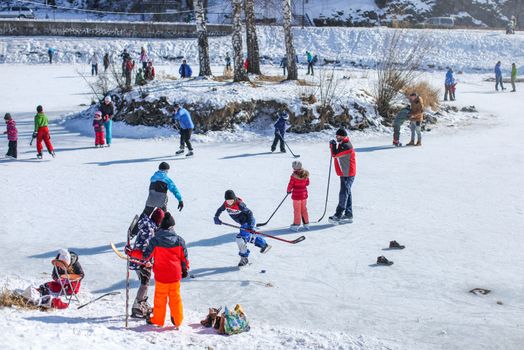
<point x="12" y="132"/>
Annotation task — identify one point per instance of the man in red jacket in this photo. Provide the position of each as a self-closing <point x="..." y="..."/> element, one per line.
<point x="170" y="264"/>
<point x="345" y="166"/>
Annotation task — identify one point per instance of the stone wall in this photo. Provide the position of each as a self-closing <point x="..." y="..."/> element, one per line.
<point x="161" y="30"/>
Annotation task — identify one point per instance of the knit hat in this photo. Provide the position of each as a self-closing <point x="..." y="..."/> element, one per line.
<point x="230" y="195"/>
<point x="157" y="216"/>
<point x="65" y="256"/>
<point x="107" y="99"/>
<point x="7" y="116"/>
<point x="342" y="132"/>
<point x="163" y="166"/>
<point x="98" y="115"/>
<point x="168" y="221"/>
<point x="297" y="165"/>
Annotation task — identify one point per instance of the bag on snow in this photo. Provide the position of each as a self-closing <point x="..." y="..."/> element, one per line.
<point x="235" y="321"/>
<point x="33" y="296"/>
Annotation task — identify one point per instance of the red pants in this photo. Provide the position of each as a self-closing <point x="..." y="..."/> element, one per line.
<point x="300" y="212"/>
<point x="99" y="138"/>
<point x="163" y="291"/>
<point x="43" y="135"/>
<point x="54" y="286"/>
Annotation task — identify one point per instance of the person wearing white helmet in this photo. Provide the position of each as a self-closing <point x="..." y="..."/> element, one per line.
<point x="108" y="110"/>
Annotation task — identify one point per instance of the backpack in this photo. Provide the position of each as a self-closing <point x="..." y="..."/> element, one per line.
<point x="315" y="59"/>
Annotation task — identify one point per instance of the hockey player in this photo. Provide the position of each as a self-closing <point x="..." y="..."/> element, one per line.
<point x="41" y="133"/>
<point x="297" y="186"/>
<point x="280" y="131"/>
<point x="160" y="184"/>
<point x="240" y="213"/>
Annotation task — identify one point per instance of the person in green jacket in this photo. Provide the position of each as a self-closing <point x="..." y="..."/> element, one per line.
<point x="41" y="133"/>
<point x="513" y="76"/>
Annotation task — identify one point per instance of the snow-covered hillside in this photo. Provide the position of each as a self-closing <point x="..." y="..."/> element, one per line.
<point x="464" y="50"/>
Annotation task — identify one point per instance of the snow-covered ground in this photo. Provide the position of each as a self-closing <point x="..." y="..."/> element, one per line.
<point x="467" y="50"/>
<point x="456" y="202"/>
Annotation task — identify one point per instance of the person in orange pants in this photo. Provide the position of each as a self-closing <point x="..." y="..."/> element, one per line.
<point x="170" y="264"/>
<point x="41" y="133"/>
<point x="298" y="187"/>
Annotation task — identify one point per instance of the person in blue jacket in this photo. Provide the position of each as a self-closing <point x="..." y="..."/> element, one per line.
<point x="185" y="70"/>
<point x="241" y="214"/>
<point x="448" y="85"/>
<point x="185" y="122"/>
<point x="310" y="62"/>
<point x="280" y="132"/>
<point x="498" y="77"/>
<point x="158" y="187"/>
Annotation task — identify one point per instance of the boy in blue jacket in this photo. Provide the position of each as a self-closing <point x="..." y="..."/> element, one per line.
<point x="280" y="131"/>
<point x="183" y="118"/>
<point x="160" y="184"/>
<point x="241" y="214"/>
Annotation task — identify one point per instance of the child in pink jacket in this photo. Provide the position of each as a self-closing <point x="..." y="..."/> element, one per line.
<point x="298" y="187"/>
<point x="12" y="136"/>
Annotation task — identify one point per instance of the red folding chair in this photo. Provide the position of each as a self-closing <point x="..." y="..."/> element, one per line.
<point x="66" y="280"/>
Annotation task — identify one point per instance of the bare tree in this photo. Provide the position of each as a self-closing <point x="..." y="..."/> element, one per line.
<point x="253" y="55"/>
<point x="292" y="71"/>
<point x="239" y="73"/>
<point x="398" y="69"/>
<point x="203" y="46"/>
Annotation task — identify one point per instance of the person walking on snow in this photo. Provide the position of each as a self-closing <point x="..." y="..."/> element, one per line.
<point x="448" y="85"/>
<point x="129" y="66"/>
<point x="168" y="254"/>
<point x="298" y="188"/>
<point x="41" y="133"/>
<point x="185" y="70"/>
<point x="94" y="64"/>
<point x="147" y="227"/>
<point x="240" y="213"/>
<point x="228" y="62"/>
<point x="310" y="63"/>
<point x="513" y="77"/>
<point x="160" y="183"/>
<point x="51" y="52"/>
<point x="280" y="131"/>
<point x="283" y="65"/>
<point x="125" y="56"/>
<point x="107" y="62"/>
<point x="343" y="154"/>
<point x="98" y="124"/>
<point x="144" y="58"/>
<point x="108" y="110"/>
<point x="185" y="122"/>
<point x="498" y="77"/>
<point x="416" y="118"/>
<point x="12" y="136"/>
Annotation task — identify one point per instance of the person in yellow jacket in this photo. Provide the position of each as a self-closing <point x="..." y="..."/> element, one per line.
<point x="416" y="117"/>
<point x="41" y="133"/>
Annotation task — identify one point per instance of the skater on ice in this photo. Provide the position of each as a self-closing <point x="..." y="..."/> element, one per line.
<point x="41" y="133"/>
<point x="12" y="136"/>
<point x="160" y="183"/>
<point x="98" y="125"/>
<point x="108" y="110"/>
<point x="170" y="262"/>
<point x="343" y="155"/>
<point x="147" y="227"/>
<point x="241" y="214"/>
<point x="185" y="122"/>
<point x="416" y="118"/>
<point x="280" y="131"/>
<point x="297" y="186"/>
<point x="498" y="77"/>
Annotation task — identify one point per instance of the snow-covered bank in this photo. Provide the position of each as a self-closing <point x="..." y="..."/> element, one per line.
<point x="467" y="50"/>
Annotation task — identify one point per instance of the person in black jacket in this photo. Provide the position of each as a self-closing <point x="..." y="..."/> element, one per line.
<point x="108" y="110"/>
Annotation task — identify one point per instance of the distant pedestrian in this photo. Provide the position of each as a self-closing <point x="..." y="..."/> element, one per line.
<point x="107" y="62"/>
<point x="144" y="58"/>
<point x="150" y="71"/>
<point x="12" y="136"/>
<point x="498" y="77"/>
<point x="185" y="122"/>
<point x="283" y="65"/>
<point x="185" y="70"/>
<point x="228" y="62"/>
<point x="448" y="85"/>
<point x="513" y="77"/>
<point x="51" y="52"/>
<point x="125" y="56"/>
<point x="310" y="63"/>
<point x="94" y="64"/>
<point x="129" y="66"/>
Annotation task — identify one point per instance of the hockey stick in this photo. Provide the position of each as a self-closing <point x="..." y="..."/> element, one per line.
<point x="295" y="241"/>
<point x="265" y="223"/>
<point x="285" y="143"/>
<point x="98" y="298"/>
<point x="327" y="191"/>
<point x="133" y="223"/>
<point x="125" y="257"/>
<point x="32" y="139"/>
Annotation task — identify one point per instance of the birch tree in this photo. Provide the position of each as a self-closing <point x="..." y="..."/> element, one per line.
<point x="238" y="74"/>
<point x="203" y="46"/>
<point x="292" y="72"/>
<point x="253" y="55"/>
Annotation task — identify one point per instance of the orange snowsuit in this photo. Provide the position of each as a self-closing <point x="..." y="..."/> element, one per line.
<point x="163" y="291"/>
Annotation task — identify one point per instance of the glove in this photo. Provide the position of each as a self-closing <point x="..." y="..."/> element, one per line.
<point x="332" y="142"/>
<point x="34" y="134"/>
<point x="127" y="249"/>
<point x="289" y="193"/>
<point x="180" y="206"/>
<point x="217" y="221"/>
<point x="184" y="273"/>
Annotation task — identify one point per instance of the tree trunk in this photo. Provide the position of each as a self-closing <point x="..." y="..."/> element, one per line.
<point x="253" y="56"/>
<point x="239" y="74"/>
<point x="203" y="46"/>
<point x="292" y="72"/>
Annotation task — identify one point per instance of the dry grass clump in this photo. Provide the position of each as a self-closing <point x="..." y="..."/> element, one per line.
<point x="429" y="94"/>
<point x="11" y="299"/>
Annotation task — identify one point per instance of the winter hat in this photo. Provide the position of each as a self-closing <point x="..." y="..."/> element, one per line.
<point x="98" y="115"/>
<point x="284" y="115"/>
<point x="342" y="132"/>
<point x="65" y="256"/>
<point x="157" y="216"/>
<point x="168" y="221"/>
<point x="297" y="165"/>
<point x="7" y="116"/>
<point x="163" y="166"/>
<point x="107" y="99"/>
<point x="39" y="109"/>
<point x="230" y="195"/>
<point x="176" y="105"/>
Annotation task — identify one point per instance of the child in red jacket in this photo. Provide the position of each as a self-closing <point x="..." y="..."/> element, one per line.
<point x="98" y="124"/>
<point x="298" y="187"/>
<point x="12" y="136"/>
